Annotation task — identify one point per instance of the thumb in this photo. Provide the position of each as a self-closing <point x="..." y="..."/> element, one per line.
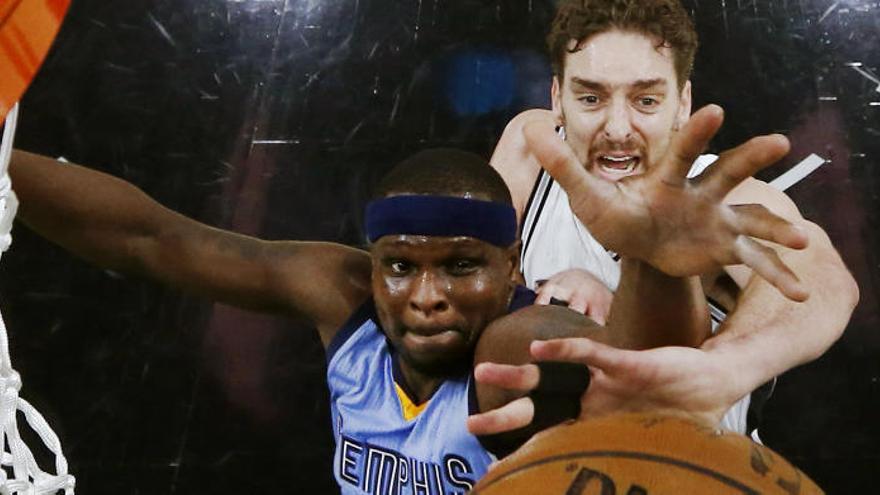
<point x="560" y="162"/>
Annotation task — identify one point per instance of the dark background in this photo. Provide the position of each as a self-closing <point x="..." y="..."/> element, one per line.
<point x="276" y="117"/>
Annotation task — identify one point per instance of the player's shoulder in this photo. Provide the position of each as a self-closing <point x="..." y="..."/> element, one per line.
<point x="531" y="115"/>
<point x="512" y="158"/>
<point x="361" y="328"/>
<point x="512" y="146"/>
<point x="506" y="340"/>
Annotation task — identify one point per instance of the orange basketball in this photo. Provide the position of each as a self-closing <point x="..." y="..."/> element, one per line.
<point x="27" y="28"/>
<point x="640" y="454"/>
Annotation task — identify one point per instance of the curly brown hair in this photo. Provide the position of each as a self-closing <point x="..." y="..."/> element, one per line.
<point x="665" y="20"/>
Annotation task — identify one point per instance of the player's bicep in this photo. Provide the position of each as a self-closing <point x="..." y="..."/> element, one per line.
<point x="226" y="266"/>
<point x="322" y="283"/>
<point x="305" y="280"/>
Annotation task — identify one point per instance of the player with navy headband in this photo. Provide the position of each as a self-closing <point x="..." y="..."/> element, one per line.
<point x="404" y="323"/>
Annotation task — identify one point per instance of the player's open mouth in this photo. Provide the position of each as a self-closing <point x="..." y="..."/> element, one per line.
<point x="618" y="165"/>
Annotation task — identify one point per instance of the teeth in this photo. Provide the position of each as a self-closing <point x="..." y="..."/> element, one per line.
<point x="629" y="168"/>
<point x="618" y="170"/>
<point x="619" y="160"/>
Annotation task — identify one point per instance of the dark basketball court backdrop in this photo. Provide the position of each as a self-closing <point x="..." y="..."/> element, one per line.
<point x="275" y="118"/>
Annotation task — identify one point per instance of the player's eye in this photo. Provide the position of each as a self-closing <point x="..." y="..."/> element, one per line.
<point x="463" y="266"/>
<point x="398" y="267"/>
<point x="648" y="102"/>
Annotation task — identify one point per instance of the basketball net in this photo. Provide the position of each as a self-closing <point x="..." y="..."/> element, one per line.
<point x="19" y="472"/>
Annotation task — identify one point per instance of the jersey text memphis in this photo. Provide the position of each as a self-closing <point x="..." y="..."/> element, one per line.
<point x="380" y="447"/>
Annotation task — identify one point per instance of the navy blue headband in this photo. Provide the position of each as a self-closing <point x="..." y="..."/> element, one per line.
<point x="441" y="216"/>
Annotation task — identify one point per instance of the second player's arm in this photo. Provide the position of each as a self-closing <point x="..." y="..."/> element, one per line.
<point x="674" y="314"/>
<point x="767" y="333"/>
<point x="115" y="225"/>
<point x="513" y="160"/>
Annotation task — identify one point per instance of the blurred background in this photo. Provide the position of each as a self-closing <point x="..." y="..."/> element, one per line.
<point x="276" y="117"/>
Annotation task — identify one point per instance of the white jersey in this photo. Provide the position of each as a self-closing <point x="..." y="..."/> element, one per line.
<point x="554" y="240"/>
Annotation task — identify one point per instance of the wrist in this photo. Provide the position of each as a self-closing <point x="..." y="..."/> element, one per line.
<point x="745" y="364"/>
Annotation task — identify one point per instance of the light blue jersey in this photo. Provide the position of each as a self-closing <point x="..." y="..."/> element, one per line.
<point x="378" y="449"/>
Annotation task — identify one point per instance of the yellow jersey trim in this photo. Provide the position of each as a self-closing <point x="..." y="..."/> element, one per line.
<point x="409" y="410"/>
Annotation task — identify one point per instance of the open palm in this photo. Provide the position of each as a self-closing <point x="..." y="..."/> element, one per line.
<point x="681" y="226"/>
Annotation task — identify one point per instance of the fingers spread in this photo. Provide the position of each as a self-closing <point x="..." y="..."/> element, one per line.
<point x="520" y="378"/>
<point x="742" y="162"/>
<point x="560" y="162"/>
<point x="767" y="264"/>
<point x="687" y="144"/>
<point x="511" y="416"/>
<point x="757" y="221"/>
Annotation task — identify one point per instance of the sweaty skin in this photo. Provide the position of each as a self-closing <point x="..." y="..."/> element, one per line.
<point x="624" y="114"/>
<point x="606" y="108"/>
<point x="434" y="295"/>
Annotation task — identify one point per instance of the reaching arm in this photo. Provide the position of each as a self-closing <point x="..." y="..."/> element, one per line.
<point x="651" y="309"/>
<point x="113" y="224"/>
<point x="681" y="227"/>
<point x="519" y="168"/>
<point x="515" y="162"/>
<point x="766" y="335"/>
<point x="770" y="333"/>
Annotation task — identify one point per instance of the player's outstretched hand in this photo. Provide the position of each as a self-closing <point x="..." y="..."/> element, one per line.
<point x="676" y="380"/>
<point x="679" y="225"/>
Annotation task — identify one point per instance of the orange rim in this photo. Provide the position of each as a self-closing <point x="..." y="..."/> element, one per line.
<point x="27" y="28"/>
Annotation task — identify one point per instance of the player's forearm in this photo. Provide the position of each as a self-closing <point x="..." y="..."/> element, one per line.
<point x="92" y="214"/>
<point x="769" y="334"/>
<point x="113" y="224"/>
<point x="652" y="309"/>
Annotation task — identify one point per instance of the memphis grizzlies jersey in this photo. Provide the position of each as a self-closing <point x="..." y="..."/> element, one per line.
<point x="385" y="444"/>
<point x="554" y="240"/>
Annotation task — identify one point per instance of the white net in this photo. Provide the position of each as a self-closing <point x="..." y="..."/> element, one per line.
<point x="20" y="474"/>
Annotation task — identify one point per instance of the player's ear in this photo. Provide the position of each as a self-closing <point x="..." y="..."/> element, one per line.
<point x="556" y="99"/>
<point x="684" y="106"/>
<point x="512" y="253"/>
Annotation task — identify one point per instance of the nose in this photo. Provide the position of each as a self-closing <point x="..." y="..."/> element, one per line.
<point x="428" y="297"/>
<point x="618" y="127"/>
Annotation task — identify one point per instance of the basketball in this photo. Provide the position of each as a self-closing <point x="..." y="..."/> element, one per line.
<point x="641" y="454"/>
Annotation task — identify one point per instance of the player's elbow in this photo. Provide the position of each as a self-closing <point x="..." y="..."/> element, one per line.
<point x="848" y="293"/>
<point x="833" y="282"/>
<point x="832" y="271"/>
